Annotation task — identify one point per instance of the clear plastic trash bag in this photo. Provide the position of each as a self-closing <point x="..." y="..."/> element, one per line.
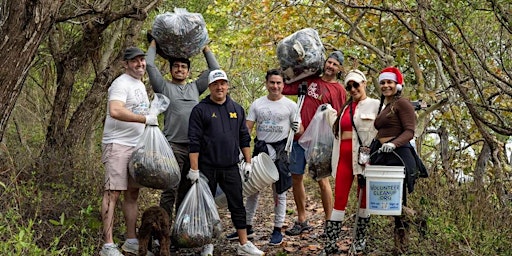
<point x="197" y="221"/>
<point x="317" y="142"/>
<point x="153" y="163"/>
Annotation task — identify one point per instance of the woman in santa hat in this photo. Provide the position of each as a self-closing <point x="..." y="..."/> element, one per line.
<point x="395" y="126"/>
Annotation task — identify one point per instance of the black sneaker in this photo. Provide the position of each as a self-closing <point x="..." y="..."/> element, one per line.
<point x="234" y="235"/>
<point x="298" y="228"/>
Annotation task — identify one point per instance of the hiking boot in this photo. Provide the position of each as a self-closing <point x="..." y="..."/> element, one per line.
<point x="110" y="250"/>
<point x="207" y="250"/>
<point x="298" y="228"/>
<point x="133" y="248"/>
<point x="234" y="235"/>
<point x="276" y="238"/>
<point x="249" y="249"/>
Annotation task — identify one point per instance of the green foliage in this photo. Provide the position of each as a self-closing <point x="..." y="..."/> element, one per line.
<point x="50" y="218"/>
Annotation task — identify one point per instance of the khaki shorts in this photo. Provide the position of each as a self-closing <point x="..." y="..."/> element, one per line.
<point x="115" y="158"/>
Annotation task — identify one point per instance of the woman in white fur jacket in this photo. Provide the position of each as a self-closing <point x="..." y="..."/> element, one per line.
<point x="358" y="114"/>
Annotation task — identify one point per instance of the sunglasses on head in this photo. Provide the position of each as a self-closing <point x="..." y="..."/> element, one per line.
<point x="350" y="85"/>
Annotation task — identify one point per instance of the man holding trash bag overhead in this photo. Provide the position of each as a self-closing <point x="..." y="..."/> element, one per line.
<point x="320" y="89"/>
<point x="184" y="96"/>
<point x="217" y="133"/>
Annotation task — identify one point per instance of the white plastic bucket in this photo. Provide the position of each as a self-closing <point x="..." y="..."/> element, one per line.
<point x="384" y="186"/>
<point x="264" y="173"/>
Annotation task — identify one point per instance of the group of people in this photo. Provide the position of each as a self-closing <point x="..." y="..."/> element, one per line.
<point x="209" y="136"/>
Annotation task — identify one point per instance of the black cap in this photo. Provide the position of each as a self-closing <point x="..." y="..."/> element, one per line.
<point x="132" y="52"/>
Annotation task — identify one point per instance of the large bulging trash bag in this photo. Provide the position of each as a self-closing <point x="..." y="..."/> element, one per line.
<point x="197" y="221"/>
<point x="301" y="54"/>
<point x="153" y="163"/>
<point x="180" y="34"/>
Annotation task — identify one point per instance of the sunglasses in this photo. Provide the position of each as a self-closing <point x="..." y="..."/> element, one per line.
<point x="350" y="85"/>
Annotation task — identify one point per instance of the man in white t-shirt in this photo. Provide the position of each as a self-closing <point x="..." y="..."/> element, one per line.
<point x="274" y="116"/>
<point x="127" y="114"/>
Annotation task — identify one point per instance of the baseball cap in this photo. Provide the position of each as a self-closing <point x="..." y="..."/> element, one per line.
<point x="356" y="76"/>
<point x="217" y="75"/>
<point x="132" y="52"/>
<point x="337" y="55"/>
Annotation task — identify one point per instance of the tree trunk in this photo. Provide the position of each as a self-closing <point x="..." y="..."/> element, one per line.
<point x="67" y="132"/>
<point x="23" y="25"/>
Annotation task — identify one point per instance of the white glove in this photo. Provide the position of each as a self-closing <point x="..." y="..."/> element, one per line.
<point x="295" y="126"/>
<point x="193" y="175"/>
<point x="247" y="170"/>
<point x="387" y="147"/>
<point x="151" y="120"/>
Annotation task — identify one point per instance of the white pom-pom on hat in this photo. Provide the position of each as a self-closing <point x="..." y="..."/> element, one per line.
<point x="392" y="73"/>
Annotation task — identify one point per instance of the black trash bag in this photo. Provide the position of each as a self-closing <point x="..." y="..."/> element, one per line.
<point x="301" y="54"/>
<point x="153" y="163"/>
<point x="197" y="221"/>
<point x="180" y="34"/>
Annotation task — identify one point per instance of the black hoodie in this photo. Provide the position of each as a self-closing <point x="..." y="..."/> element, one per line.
<point x="217" y="132"/>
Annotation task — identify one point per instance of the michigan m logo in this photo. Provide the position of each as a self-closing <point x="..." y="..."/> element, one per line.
<point x="232" y="114"/>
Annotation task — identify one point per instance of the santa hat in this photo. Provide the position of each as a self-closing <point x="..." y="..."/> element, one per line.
<point x="392" y="73"/>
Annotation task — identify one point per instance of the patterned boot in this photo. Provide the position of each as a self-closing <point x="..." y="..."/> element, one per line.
<point x="361" y="233"/>
<point x="332" y="230"/>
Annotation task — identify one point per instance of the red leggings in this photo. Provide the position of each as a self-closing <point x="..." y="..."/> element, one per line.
<point x="345" y="177"/>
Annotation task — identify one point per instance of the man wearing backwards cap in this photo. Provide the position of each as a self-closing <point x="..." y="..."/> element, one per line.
<point x="324" y="89"/>
<point x="217" y="133"/>
<point x="127" y="112"/>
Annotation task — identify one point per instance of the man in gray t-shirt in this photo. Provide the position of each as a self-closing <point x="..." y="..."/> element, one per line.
<point x="184" y="96"/>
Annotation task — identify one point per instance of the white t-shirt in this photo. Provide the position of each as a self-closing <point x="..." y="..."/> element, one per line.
<point x="272" y="118"/>
<point x="133" y="93"/>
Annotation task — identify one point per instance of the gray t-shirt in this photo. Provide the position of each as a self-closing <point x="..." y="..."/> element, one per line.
<point x="183" y="97"/>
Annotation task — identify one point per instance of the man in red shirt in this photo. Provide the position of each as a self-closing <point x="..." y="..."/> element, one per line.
<point x="320" y="90"/>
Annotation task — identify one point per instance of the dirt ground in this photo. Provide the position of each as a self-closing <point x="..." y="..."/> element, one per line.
<point x="308" y="243"/>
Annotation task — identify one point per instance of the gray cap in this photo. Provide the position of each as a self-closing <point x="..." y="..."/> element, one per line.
<point x="337" y="55"/>
<point x="132" y="52"/>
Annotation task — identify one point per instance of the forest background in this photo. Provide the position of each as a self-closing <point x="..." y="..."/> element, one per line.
<point x="60" y="56"/>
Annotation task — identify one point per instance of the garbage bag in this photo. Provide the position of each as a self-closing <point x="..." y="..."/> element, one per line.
<point x="301" y="54"/>
<point x="153" y="163"/>
<point x="180" y="34"/>
<point x="197" y="221"/>
<point x="317" y="142"/>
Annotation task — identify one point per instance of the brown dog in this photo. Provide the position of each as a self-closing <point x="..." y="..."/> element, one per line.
<point x="155" y="223"/>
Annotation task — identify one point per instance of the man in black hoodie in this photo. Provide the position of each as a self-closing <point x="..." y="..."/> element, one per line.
<point x="217" y="132"/>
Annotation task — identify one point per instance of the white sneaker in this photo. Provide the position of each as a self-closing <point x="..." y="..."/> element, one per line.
<point x="110" y="251"/>
<point x="133" y="248"/>
<point x="249" y="249"/>
<point x="207" y="250"/>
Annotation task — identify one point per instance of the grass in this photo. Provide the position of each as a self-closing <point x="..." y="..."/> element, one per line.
<point x="63" y="218"/>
